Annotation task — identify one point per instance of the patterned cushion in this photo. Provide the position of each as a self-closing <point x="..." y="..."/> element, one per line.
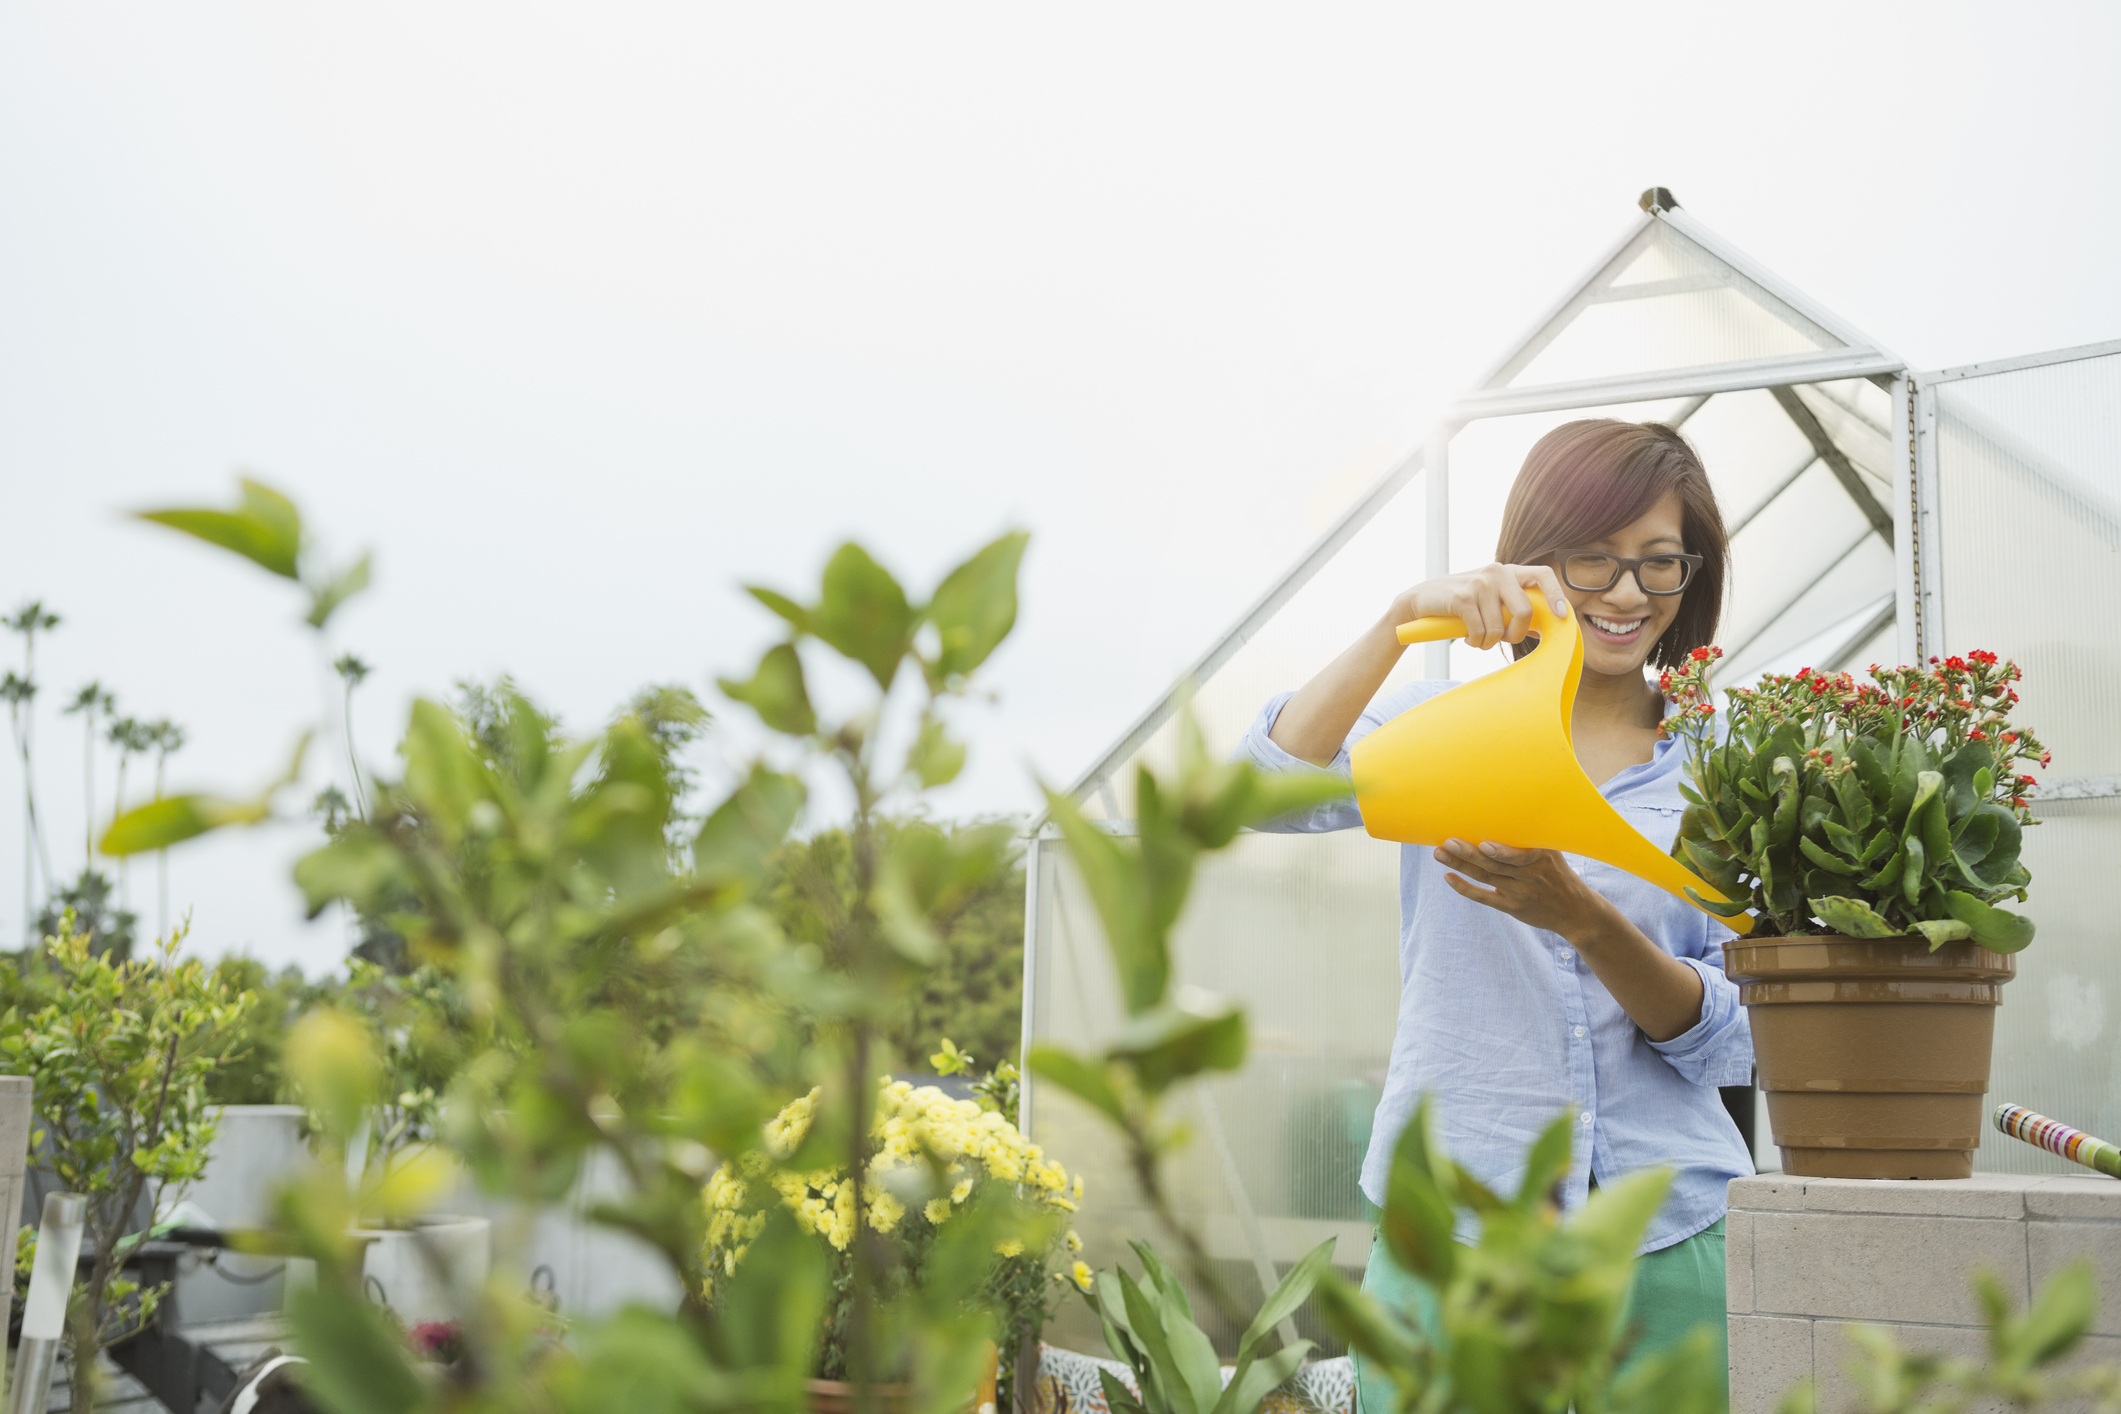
<point x="1068" y="1384"/>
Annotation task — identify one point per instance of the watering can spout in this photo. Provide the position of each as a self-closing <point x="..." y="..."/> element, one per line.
<point x="1493" y="759"/>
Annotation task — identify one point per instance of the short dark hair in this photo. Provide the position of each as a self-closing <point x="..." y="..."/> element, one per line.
<point x="1585" y="480"/>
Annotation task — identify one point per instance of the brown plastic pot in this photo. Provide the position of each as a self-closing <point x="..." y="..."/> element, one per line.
<point x="1873" y="1052"/>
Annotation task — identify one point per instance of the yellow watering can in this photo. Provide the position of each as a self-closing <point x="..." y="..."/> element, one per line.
<point x="1492" y="759"/>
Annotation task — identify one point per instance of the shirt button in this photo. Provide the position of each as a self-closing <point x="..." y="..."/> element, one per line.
<point x="1567" y="956"/>
<point x="1583" y="1119"/>
<point x="1579" y="1030"/>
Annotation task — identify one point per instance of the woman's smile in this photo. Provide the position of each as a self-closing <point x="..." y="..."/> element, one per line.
<point x="1613" y="630"/>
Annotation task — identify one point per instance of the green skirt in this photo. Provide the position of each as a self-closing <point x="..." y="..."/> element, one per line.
<point x="1676" y="1288"/>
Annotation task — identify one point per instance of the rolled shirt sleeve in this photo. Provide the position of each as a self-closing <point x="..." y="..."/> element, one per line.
<point x="1259" y="748"/>
<point x="1718" y="1049"/>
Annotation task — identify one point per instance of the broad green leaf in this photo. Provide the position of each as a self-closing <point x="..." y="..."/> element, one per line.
<point x="2058" y="1318"/>
<point x="359" y="866"/>
<point x="1276" y="794"/>
<point x="1289" y="1297"/>
<point x="358" y="1359"/>
<point x="777" y="692"/>
<point x="1367" y="1326"/>
<point x="443" y="774"/>
<point x="738" y="841"/>
<point x="1168" y="1289"/>
<point x="264" y="529"/>
<point x="1085" y="1079"/>
<point x="863" y="613"/>
<point x="1911" y="871"/>
<point x="797" y="617"/>
<point x="1148" y="1323"/>
<point x="771" y="1307"/>
<point x="1118" y="1398"/>
<point x="325" y="599"/>
<point x="1547" y="1161"/>
<point x="1721" y="910"/>
<point x="330" y="1058"/>
<point x="1255" y="1380"/>
<point x="175" y="818"/>
<point x="974" y="608"/>
<point x="1418" y="1221"/>
<point x="1825" y="860"/>
<point x="934" y="757"/>
<point x="1852" y="917"/>
<point x="1940" y="931"/>
<point x="1994" y="928"/>
<point x="644" y="1363"/>
<point x="1172" y="1043"/>
<point x="1616" y="1215"/>
<point x="1136" y="922"/>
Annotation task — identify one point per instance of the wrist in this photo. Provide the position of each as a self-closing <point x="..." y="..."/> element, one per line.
<point x="1595" y="923"/>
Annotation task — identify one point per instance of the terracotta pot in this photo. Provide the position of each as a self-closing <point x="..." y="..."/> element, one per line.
<point x="1873" y="1051"/>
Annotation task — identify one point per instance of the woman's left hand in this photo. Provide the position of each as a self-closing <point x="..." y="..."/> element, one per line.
<point x="1534" y="886"/>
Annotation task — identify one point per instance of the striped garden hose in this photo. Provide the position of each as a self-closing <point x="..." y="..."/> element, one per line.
<point x="2058" y="1138"/>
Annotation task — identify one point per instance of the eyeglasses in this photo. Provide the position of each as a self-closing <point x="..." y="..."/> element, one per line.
<point x="1593" y="571"/>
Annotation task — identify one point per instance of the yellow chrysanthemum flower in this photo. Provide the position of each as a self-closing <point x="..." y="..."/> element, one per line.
<point x="937" y="1210"/>
<point x="1075" y="1242"/>
<point x="1082" y="1274"/>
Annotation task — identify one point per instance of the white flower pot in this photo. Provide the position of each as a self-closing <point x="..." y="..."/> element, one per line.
<point x="426" y="1272"/>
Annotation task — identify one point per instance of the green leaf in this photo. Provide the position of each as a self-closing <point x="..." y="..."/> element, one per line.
<point x="1788" y="796"/>
<point x="1940" y="931"/>
<point x="358" y="1361"/>
<point x="934" y="757"/>
<point x="1287" y="1298"/>
<point x="1275" y="794"/>
<point x="1912" y="870"/>
<point x="777" y="692"/>
<point x="325" y="599"/>
<point x="265" y="528"/>
<point x="737" y="842"/>
<point x="1254" y="1381"/>
<point x="1612" y="1222"/>
<point x="974" y="608"/>
<point x="1137" y="916"/>
<point x="360" y="867"/>
<point x="1994" y="928"/>
<point x="1368" y="1327"/>
<point x="771" y="1307"/>
<point x="864" y="614"/>
<point x="1721" y="910"/>
<point x="1547" y="1161"/>
<point x="1418" y="1222"/>
<point x="1855" y="802"/>
<point x="1852" y="917"/>
<point x="1147" y="1319"/>
<point x="796" y="616"/>
<point x="1081" y="1077"/>
<point x="1117" y="1396"/>
<point x="1820" y="857"/>
<point x="2058" y="1319"/>
<point x="174" y="819"/>
<point x="1173" y="1043"/>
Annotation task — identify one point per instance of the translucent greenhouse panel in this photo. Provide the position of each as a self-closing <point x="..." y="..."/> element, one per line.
<point x="2029" y="566"/>
<point x="1672" y="305"/>
<point x="1303" y="930"/>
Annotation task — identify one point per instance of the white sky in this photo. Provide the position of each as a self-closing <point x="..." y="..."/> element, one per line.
<point x="578" y="316"/>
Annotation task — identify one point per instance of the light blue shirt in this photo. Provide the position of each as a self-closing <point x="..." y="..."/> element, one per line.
<point x="1505" y="1026"/>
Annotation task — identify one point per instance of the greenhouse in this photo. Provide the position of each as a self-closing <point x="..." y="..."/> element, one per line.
<point x="1879" y="514"/>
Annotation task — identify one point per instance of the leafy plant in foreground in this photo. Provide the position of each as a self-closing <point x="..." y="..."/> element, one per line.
<point x="2023" y="1351"/>
<point x="1530" y="1317"/>
<point x="1874" y="810"/>
<point x="1149" y="1325"/>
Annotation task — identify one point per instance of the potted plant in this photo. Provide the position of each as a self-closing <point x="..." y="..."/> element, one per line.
<point x="1871" y="829"/>
<point x="945" y="1175"/>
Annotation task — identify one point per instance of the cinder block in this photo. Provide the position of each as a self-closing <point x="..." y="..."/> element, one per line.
<point x="1833" y="1352"/>
<point x="1985" y="1195"/>
<point x="1771" y="1192"/>
<point x="1768" y="1355"/>
<point x="1738" y="1263"/>
<point x="1875" y="1267"/>
<point x="2093" y="1196"/>
<point x="2051" y="1246"/>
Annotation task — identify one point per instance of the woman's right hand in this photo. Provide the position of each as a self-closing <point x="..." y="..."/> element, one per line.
<point x="1494" y="600"/>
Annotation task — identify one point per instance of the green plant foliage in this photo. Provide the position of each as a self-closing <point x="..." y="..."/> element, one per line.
<point x="119" y="1056"/>
<point x="1149" y="1326"/>
<point x="1529" y="1317"/>
<point x="266" y="529"/>
<point x="2023" y="1352"/>
<point x="1878" y="810"/>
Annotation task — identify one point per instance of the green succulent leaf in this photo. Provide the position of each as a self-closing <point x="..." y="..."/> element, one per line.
<point x="1825" y="860"/>
<point x="1716" y="906"/>
<point x="1940" y="931"/>
<point x="1853" y="917"/>
<point x="1993" y="928"/>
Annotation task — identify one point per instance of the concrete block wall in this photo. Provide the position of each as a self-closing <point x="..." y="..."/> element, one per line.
<point x="1810" y="1257"/>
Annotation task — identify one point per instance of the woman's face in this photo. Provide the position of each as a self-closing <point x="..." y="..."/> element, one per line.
<point x="1621" y="624"/>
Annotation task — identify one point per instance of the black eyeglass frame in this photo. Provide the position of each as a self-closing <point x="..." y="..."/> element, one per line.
<point x="1622" y="565"/>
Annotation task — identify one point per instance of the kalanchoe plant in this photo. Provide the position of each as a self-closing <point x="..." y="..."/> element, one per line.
<point x="1874" y="809"/>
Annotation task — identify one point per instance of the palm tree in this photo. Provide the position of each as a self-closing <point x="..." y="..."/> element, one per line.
<point x="29" y="621"/>
<point x="88" y="703"/>
<point x="166" y="737"/>
<point x="352" y="671"/>
<point x="131" y="737"/>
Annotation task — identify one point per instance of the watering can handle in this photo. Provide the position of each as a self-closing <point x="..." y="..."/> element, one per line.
<point x="1441" y="627"/>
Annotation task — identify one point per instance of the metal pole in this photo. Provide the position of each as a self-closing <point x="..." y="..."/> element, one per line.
<point x="1436" y="469"/>
<point x="51" y="1282"/>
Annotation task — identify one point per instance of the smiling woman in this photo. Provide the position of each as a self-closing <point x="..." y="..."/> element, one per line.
<point x="1532" y="981"/>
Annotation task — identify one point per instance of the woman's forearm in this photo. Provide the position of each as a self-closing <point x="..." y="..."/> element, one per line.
<point x="1315" y="722"/>
<point x="1661" y="994"/>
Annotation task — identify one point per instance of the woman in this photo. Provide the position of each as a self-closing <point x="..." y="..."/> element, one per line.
<point x="1531" y="981"/>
